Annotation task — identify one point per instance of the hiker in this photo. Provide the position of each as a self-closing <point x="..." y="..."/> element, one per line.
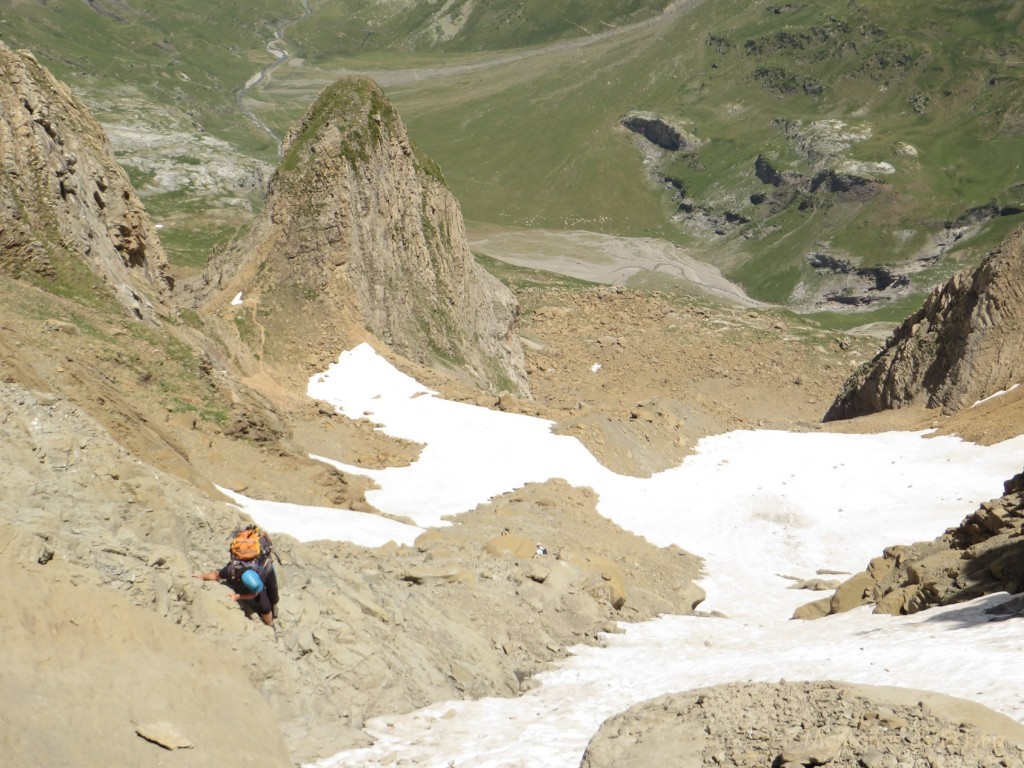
<point x="250" y="572"/>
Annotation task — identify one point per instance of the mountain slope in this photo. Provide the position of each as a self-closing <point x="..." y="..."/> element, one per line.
<point x="361" y="231"/>
<point x="115" y="429"/>
<point x="898" y="131"/>
<point x="349" y="27"/>
<point x="901" y="127"/>
<point x="65" y="202"/>
<point x="962" y="346"/>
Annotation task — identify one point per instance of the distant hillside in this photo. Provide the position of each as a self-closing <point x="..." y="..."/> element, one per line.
<point x="843" y="153"/>
<point x="351" y="27"/>
<point x="962" y="346"/>
<point x="840" y="156"/>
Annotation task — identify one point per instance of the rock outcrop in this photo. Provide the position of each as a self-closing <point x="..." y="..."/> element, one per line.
<point x="960" y="347"/>
<point x="791" y="724"/>
<point x="665" y="133"/>
<point x="983" y="555"/>
<point x="63" y="198"/>
<point x="360" y="231"/>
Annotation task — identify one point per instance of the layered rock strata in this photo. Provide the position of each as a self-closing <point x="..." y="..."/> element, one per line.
<point x="361" y="231"/>
<point x="63" y="196"/>
<point x="962" y="346"/>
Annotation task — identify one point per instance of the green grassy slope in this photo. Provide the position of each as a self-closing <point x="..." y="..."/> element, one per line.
<point x="536" y="142"/>
<point x="176" y="54"/>
<point x="531" y="137"/>
<point x="353" y="27"/>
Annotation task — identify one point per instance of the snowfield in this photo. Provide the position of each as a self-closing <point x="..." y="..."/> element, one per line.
<point x="757" y="506"/>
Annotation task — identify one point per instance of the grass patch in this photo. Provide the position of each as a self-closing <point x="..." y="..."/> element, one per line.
<point x="191" y="247"/>
<point x="518" y="278"/>
<point x="75" y="282"/>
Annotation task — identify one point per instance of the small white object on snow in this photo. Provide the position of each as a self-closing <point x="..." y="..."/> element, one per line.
<point x="237" y="300"/>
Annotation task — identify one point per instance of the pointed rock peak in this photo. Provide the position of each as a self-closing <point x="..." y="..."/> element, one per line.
<point x="352" y="117"/>
<point x="361" y="234"/>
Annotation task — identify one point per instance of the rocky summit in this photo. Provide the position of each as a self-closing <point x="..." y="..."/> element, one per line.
<point x="360" y="232"/>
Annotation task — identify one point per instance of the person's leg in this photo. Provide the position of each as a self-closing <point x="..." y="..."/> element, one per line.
<point x="271" y="584"/>
<point x="271" y="590"/>
<point x="265" y="607"/>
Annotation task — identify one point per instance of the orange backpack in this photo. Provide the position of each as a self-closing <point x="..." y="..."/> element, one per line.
<point x="250" y="543"/>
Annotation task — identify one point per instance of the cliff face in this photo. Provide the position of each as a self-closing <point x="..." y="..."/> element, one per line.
<point x="960" y="347"/>
<point x="62" y="195"/>
<point x="361" y="232"/>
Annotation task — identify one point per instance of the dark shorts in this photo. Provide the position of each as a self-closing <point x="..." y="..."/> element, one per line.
<point x="267" y="598"/>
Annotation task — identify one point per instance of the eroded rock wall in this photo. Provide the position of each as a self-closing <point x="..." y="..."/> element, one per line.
<point x="360" y="230"/>
<point x="963" y="345"/>
<point x="63" y="195"/>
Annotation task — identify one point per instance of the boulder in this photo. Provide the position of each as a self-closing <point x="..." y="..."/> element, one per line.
<point x="855" y="591"/>
<point x="518" y="547"/>
<point x="439" y="572"/>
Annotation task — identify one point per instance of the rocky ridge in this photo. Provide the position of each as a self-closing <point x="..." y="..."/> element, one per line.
<point x="981" y="556"/>
<point x="360" y="232"/>
<point x="962" y="346"/>
<point x="63" y="193"/>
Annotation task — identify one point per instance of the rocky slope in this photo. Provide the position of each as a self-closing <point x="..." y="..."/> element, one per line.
<point x="361" y="632"/>
<point x="360" y="232"/>
<point x="786" y="725"/>
<point x="981" y="556"/>
<point x="113" y="431"/>
<point x="960" y="347"/>
<point x="62" y="193"/>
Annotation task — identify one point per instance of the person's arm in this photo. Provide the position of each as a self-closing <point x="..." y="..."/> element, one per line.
<point x="210" y="576"/>
<point x="236" y="597"/>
